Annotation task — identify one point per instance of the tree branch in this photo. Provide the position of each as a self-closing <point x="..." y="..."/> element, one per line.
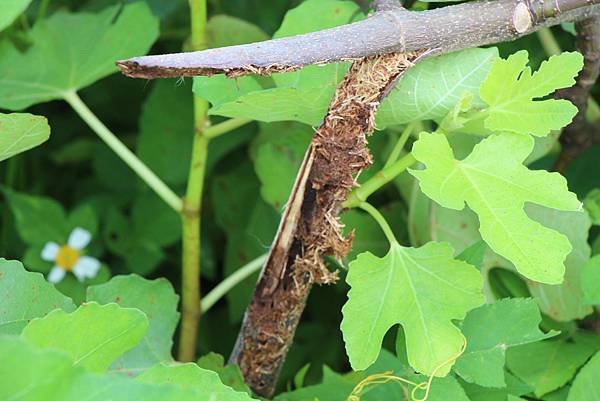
<point x="581" y="134"/>
<point x="394" y="30"/>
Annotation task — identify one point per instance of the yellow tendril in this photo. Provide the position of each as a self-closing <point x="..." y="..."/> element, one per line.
<point x="382" y="378"/>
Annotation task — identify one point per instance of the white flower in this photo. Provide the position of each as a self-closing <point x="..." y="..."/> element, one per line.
<point x="68" y="258"/>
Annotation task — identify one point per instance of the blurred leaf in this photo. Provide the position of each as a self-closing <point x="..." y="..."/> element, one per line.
<point x="34" y="374"/>
<point x="488" y="337"/>
<point x="586" y="386"/>
<point x="230" y="375"/>
<point x="334" y="387"/>
<point x="11" y="9"/>
<point x="20" y="132"/>
<point x="158" y="301"/>
<point x="249" y="223"/>
<point x="591" y="202"/>
<point x="433" y="87"/>
<point x="224" y="30"/>
<point x="205" y="384"/>
<point x="368" y="236"/>
<point x="547" y="365"/>
<point x="407" y="286"/>
<point x="565" y="301"/>
<point x="167" y="131"/>
<point x="155" y="221"/>
<point x="590" y="281"/>
<point x="93" y="336"/>
<point x="72" y="51"/>
<point x="278" y="153"/>
<point x="26" y="296"/>
<point x="38" y="219"/>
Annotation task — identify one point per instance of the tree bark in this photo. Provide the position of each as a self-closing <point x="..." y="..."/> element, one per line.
<point x="578" y="136"/>
<point x="392" y="30"/>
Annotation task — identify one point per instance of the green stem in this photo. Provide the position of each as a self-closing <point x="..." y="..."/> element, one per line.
<point x="399" y="146"/>
<point x="42" y="10"/>
<point x="382" y="177"/>
<point x="385" y="227"/>
<point x="224" y="127"/>
<point x="237" y="277"/>
<point x="192" y="210"/>
<point x="549" y="43"/>
<point x="151" y="179"/>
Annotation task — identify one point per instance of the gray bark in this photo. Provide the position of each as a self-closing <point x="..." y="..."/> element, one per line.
<point x="390" y="30"/>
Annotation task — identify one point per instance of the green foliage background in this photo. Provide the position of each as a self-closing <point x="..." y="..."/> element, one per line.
<point x="74" y="180"/>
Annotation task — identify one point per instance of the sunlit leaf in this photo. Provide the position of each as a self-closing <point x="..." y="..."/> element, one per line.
<point x="511" y="91"/>
<point x="20" y="132"/>
<point x="93" y="336"/>
<point x="495" y="184"/>
<point x="423" y="289"/>
<point x="11" y="9"/>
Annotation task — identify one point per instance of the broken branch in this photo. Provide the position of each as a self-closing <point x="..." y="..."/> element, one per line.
<point x="390" y="30"/>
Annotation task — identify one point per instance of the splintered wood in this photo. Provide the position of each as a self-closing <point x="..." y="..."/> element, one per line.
<point x="310" y="227"/>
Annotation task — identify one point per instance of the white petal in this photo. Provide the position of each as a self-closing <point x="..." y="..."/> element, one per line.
<point x="56" y="274"/>
<point x="50" y="251"/>
<point x="79" y="238"/>
<point x="86" y="267"/>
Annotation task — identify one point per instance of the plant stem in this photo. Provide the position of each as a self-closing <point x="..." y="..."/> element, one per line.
<point x="224" y="127"/>
<point x="400" y="143"/>
<point x="385" y="227"/>
<point x="548" y="41"/>
<point x="147" y="175"/>
<point x="382" y="177"/>
<point x="42" y="9"/>
<point x="192" y="210"/>
<point x="238" y="276"/>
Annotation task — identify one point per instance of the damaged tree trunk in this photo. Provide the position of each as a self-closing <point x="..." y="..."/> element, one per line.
<point x="309" y="226"/>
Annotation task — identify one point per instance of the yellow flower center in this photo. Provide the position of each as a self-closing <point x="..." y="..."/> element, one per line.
<point x="67" y="257"/>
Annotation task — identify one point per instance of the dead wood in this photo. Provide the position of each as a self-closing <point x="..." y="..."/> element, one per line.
<point x="310" y="227"/>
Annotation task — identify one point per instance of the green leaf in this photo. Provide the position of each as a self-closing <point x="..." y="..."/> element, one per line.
<point x="423" y="289"/>
<point x="299" y="96"/>
<point x="564" y="302"/>
<point x="591" y="202"/>
<point x="224" y="30"/>
<point x="586" y="385"/>
<point x="278" y="153"/>
<point x="38" y="219"/>
<point x="26" y="296"/>
<point x="157" y="299"/>
<point x="590" y="279"/>
<point x="495" y="184"/>
<point x="433" y="87"/>
<point x="205" y="384"/>
<point x="11" y="9"/>
<point x="511" y="89"/>
<point x="72" y="51"/>
<point x="230" y="375"/>
<point x="489" y="335"/>
<point x="21" y="132"/>
<point x="33" y="374"/>
<point x="547" y="365"/>
<point x="334" y="387"/>
<point x="94" y="336"/>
